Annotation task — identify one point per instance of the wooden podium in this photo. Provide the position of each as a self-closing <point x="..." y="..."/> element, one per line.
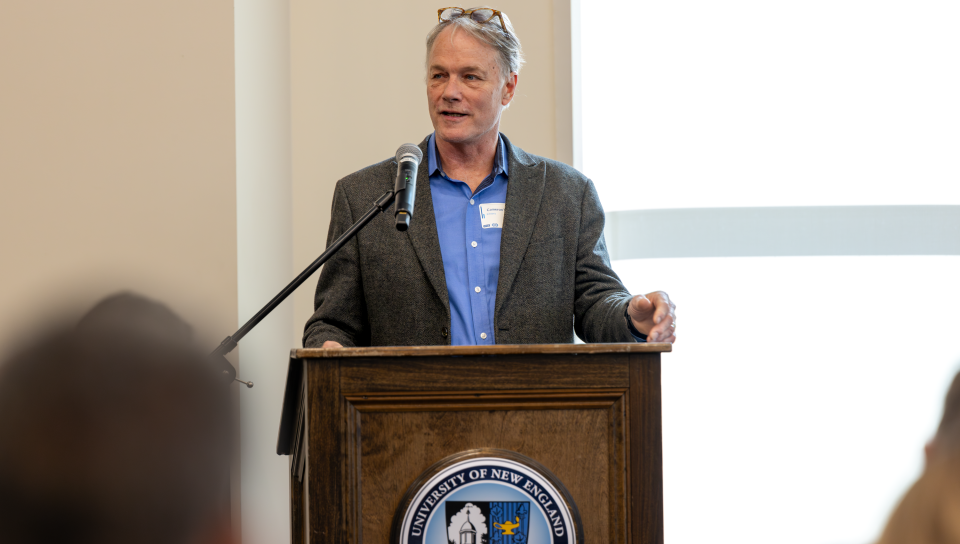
<point x="360" y="425"/>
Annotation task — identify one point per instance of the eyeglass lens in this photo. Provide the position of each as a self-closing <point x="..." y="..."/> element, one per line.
<point x="451" y="13"/>
<point x="480" y="15"/>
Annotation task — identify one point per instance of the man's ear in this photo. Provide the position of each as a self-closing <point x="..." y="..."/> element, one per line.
<point x="509" y="88"/>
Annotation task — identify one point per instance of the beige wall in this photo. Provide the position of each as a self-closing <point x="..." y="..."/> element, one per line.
<point x="117" y="165"/>
<point x="358" y="92"/>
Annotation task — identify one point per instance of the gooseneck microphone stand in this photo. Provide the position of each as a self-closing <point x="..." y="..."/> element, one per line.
<point x="230" y="342"/>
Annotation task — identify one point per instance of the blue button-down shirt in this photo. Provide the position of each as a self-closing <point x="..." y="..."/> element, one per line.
<point x="469" y="226"/>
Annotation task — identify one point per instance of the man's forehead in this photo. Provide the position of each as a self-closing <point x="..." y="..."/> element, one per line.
<point x="459" y="50"/>
<point x="461" y="67"/>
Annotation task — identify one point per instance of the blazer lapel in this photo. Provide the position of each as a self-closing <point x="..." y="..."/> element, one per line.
<point x="423" y="231"/>
<point x="524" y="195"/>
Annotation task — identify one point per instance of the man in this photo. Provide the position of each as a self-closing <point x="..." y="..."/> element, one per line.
<point x="504" y="247"/>
<point x="112" y="434"/>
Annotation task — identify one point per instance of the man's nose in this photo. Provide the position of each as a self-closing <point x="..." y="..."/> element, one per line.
<point x="452" y="90"/>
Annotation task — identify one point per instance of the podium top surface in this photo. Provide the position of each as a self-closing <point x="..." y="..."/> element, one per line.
<point x="503" y="349"/>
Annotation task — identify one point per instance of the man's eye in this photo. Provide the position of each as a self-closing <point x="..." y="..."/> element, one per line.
<point x="436" y="76"/>
<point x="471" y="77"/>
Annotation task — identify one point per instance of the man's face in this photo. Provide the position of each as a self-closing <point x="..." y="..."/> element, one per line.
<point x="465" y="90"/>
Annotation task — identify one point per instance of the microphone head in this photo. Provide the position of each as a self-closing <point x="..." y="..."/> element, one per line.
<point x="411" y="151"/>
<point x="403" y="223"/>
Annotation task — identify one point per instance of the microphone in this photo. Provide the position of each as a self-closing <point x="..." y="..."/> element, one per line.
<point x="408" y="159"/>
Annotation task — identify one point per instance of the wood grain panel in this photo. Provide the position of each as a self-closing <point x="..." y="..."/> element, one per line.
<point x="646" y="451"/>
<point x="484" y="373"/>
<point x="351" y="477"/>
<point x="617" y="459"/>
<point x="297" y="524"/>
<point x="324" y="450"/>
<point x="573" y="444"/>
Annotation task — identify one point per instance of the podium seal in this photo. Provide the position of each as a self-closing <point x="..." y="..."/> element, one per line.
<point x="487" y="496"/>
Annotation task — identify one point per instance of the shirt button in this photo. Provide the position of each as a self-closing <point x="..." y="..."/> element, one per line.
<point x="477" y="289"/>
<point x="474" y="244"/>
<point x="483" y="335"/>
<point x="471" y="202"/>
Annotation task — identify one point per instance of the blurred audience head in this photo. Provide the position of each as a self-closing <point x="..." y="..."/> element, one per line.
<point x="946" y="442"/>
<point x="128" y="312"/>
<point x="116" y="430"/>
<point x="930" y="511"/>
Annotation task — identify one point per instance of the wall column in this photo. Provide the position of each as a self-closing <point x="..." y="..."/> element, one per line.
<point x="265" y="256"/>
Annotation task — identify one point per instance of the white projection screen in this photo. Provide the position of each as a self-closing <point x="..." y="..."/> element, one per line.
<point x="789" y="173"/>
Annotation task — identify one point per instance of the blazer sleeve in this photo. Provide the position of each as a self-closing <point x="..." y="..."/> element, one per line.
<point x="340" y="308"/>
<point x="600" y="297"/>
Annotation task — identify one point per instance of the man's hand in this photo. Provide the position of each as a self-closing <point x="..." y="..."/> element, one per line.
<point x="653" y="314"/>
<point x="330" y="344"/>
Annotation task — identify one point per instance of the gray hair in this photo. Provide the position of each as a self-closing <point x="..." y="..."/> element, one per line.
<point x="506" y="44"/>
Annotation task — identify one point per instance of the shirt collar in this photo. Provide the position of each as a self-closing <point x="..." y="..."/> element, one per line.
<point x="500" y="164"/>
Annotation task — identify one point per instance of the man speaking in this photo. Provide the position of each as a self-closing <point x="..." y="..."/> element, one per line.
<point x="504" y="247"/>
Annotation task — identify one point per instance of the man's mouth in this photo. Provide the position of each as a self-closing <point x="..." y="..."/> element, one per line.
<point x="452" y="114"/>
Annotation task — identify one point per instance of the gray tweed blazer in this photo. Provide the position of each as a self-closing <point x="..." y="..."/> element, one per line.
<point x="387" y="288"/>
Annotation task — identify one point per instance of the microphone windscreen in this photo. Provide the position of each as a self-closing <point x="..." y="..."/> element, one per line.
<point x="410" y="149"/>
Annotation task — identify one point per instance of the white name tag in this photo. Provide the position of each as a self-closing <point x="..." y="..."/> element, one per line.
<point x="491" y="215"/>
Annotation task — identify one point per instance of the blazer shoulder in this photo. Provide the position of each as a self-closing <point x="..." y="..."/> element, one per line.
<point x="556" y="172"/>
<point x="563" y="171"/>
<point x="560" y="177"/>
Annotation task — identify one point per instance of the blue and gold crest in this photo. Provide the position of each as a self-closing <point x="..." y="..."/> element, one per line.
<point x="483" y="522"/>
<point x="515" y="527"/>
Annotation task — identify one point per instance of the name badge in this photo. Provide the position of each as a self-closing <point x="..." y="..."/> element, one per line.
<point x="491" y="215"/>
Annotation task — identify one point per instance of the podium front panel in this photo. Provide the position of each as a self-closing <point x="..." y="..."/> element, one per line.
<point x="362" y="426"/>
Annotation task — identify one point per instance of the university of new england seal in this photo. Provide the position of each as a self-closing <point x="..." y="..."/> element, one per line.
<point x="487" y="497"/>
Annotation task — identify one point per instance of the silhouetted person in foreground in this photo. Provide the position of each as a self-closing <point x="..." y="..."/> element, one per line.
<point x="946" y="442"/>
<point x="114" y="434"/>
<point x="134" y="314"/>
<point x="929" y="513"/>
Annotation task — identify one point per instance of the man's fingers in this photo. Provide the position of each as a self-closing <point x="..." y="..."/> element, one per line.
<point x="665" y="329"/>
<point x="662" y="304"/>
<point x="330" y="344"/>
<point x="654" y="312"/>
<point x="668" y="337"/>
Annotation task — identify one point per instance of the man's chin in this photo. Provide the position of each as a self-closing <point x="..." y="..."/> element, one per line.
<point x="453" y="137"/>
<point x="457" y="136"/>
